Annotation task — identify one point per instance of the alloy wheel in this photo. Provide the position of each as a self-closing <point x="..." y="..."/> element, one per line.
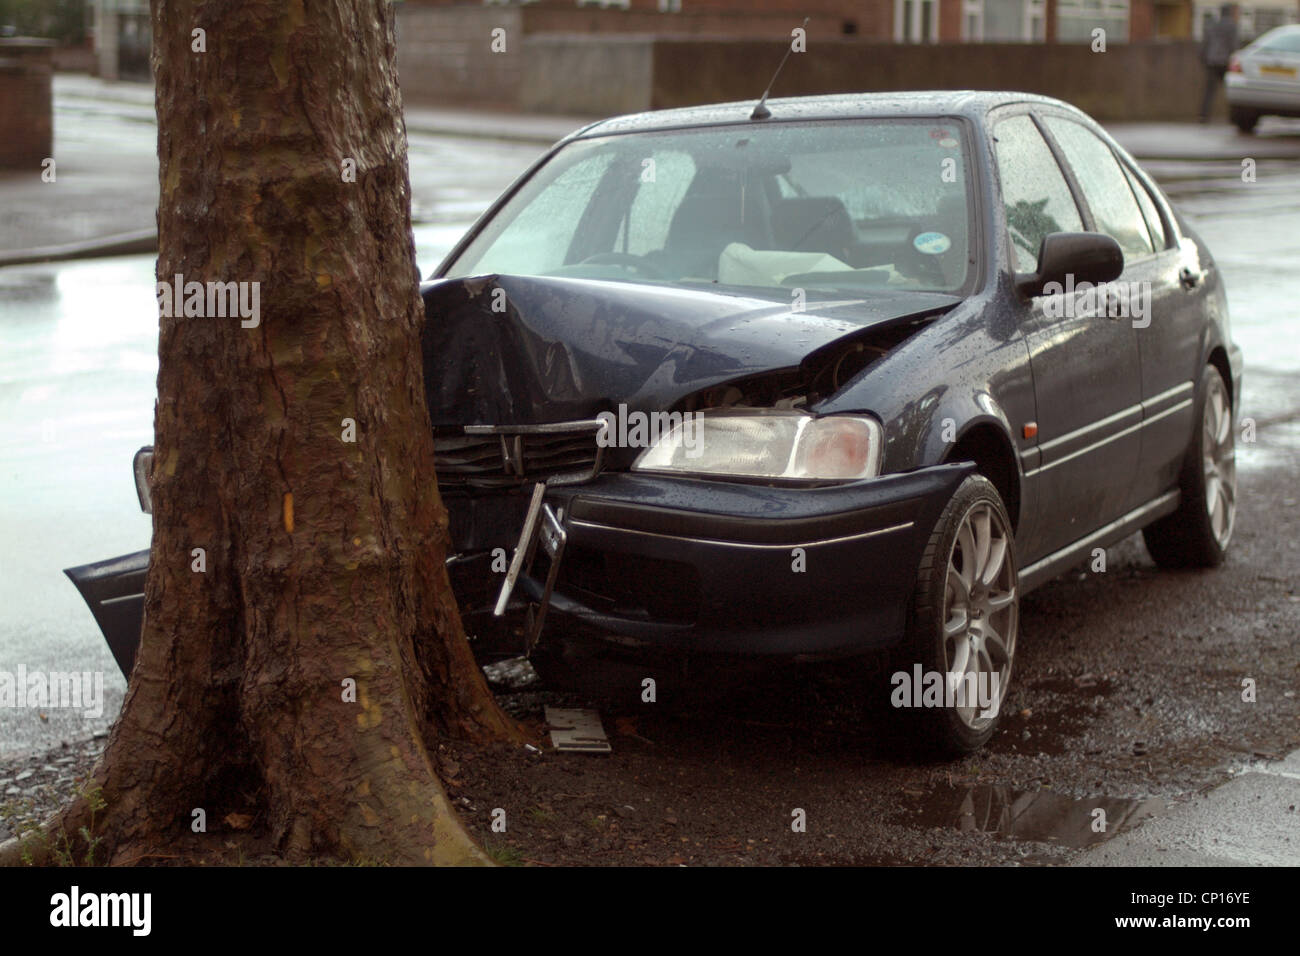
<point x="1219" y="461"/>
<point x="981" y="614"/>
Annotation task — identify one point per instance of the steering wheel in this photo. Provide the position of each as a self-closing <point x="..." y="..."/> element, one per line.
<point x="635" y="263"/>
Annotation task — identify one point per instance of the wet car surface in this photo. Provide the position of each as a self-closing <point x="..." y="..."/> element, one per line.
<point x="910" y="405"/>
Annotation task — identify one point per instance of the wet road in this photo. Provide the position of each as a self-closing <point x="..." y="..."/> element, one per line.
<point x="78" y="363"/>
<point x="1127" y="689"/>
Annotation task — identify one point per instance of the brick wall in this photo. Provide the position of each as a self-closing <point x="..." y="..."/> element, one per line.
<point x="446" y="56"/>
<point x="26" y="103"/>
<point x="567" y="74"/>
<point x="1135" y="81"/>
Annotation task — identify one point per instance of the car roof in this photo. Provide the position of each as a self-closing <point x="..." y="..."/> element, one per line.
<point x="973" y="104"/>
<point x="1277" y="31"/>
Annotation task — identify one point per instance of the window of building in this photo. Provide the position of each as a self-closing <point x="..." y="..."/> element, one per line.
<point x="916" y="21"/>
<point x="1076" y="19"/>
<point x="972" y="21"/>
<point x="1004" y="21"/>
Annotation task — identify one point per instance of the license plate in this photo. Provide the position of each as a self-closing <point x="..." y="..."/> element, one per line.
<point x="1287" y="71"/>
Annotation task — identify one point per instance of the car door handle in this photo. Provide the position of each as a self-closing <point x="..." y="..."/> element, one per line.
<point x="1188" y="278"/>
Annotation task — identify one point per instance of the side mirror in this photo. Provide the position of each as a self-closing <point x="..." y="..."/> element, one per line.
<point x="1083" y="256"/>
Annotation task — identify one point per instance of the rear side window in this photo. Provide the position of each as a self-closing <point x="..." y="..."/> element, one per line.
<point x="1149" y="211"/>
<point x="1104" y="185"/>
<point x="1034" y="192"/>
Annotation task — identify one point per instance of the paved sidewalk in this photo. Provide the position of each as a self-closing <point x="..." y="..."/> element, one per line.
<point x="105" y="188"/>
<point x="104" y="197"/>
<point x="1189" y="142"/>
<point x="435" y="121"/>
<point x="1252" y="820"/>
<point x="103" y="201"/>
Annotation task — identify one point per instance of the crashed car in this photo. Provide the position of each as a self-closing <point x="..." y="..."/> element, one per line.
<point x="838" y="376"/>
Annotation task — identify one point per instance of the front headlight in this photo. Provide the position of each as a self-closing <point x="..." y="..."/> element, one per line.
<point x="769" y="443"/>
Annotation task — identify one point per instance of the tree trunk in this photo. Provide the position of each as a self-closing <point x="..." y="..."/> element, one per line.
<point x="324" y="558"/>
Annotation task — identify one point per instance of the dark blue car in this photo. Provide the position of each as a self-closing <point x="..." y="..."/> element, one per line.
<point x="850" y="377"/>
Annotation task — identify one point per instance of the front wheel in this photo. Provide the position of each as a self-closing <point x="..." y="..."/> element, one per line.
<point x="1197" y="534"/>
<point x="951" y="674"/>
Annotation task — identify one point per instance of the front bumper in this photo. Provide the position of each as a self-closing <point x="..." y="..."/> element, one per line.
<point x="693" y="565"/>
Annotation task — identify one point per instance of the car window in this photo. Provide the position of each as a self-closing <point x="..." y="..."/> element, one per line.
<point x="1283" y="42"/>
<point x="1034" y="192"/>
<point x="835" y="206"/>
<point x="907" y="193"/>
<point x="1105" y="187"/>
<point x="646" y="225"/>
<point x="546" y="226"/>
<point x="1149" y="211"/>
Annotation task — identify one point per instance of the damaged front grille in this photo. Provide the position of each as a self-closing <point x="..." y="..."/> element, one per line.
<point x="507" y="456"/>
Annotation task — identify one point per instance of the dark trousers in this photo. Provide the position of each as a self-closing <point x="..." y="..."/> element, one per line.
<point x="1213" y="80"/>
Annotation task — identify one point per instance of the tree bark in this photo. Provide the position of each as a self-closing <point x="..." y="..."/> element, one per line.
<point x="324" y="558"/>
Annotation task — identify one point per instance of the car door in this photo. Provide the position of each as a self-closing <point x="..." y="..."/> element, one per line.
<point x="1167" y="319"/>
<point x="1170" y="346"/>
<point x="1087" y="382"/>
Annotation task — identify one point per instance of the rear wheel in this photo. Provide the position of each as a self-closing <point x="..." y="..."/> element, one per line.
<point x="1244" y="119"/>
<point x="1197" y="534"/>
<point x="964" y="623"/>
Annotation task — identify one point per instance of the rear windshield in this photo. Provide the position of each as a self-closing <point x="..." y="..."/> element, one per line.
<point x="1280" y="41"/>
<point x="831" y="206"/>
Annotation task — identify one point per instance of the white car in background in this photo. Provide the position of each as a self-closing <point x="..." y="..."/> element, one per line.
<point x="1264" y="78"/>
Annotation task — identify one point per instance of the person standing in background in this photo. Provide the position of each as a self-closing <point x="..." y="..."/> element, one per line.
<point x="1217" y="46"/>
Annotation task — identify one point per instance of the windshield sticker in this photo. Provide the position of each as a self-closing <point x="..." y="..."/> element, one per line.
<point x="932" y="243"/>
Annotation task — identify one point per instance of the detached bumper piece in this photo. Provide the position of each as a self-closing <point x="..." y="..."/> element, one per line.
<point x="114" y="590"/>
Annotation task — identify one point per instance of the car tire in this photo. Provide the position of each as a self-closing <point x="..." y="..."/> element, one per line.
<point x="1197" y="534"/>
<point x="965" y="615"/>
<point x="1244" y="119"/>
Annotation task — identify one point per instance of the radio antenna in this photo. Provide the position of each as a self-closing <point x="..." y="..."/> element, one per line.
<point x="761" y="111"/>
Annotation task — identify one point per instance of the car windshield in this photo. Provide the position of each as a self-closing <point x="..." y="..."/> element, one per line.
<point x="847" y="206"/>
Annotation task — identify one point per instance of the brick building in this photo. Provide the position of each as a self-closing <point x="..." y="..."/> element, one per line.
<point x="910" y="21"/>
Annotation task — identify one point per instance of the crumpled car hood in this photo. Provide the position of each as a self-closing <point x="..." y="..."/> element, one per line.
<point x="524" y="350"/>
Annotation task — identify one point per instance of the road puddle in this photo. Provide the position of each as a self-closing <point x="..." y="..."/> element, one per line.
<point x="1040" y="816"/>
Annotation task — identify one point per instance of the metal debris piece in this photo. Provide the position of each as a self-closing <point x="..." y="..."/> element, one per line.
<point x="576" y="729"/>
